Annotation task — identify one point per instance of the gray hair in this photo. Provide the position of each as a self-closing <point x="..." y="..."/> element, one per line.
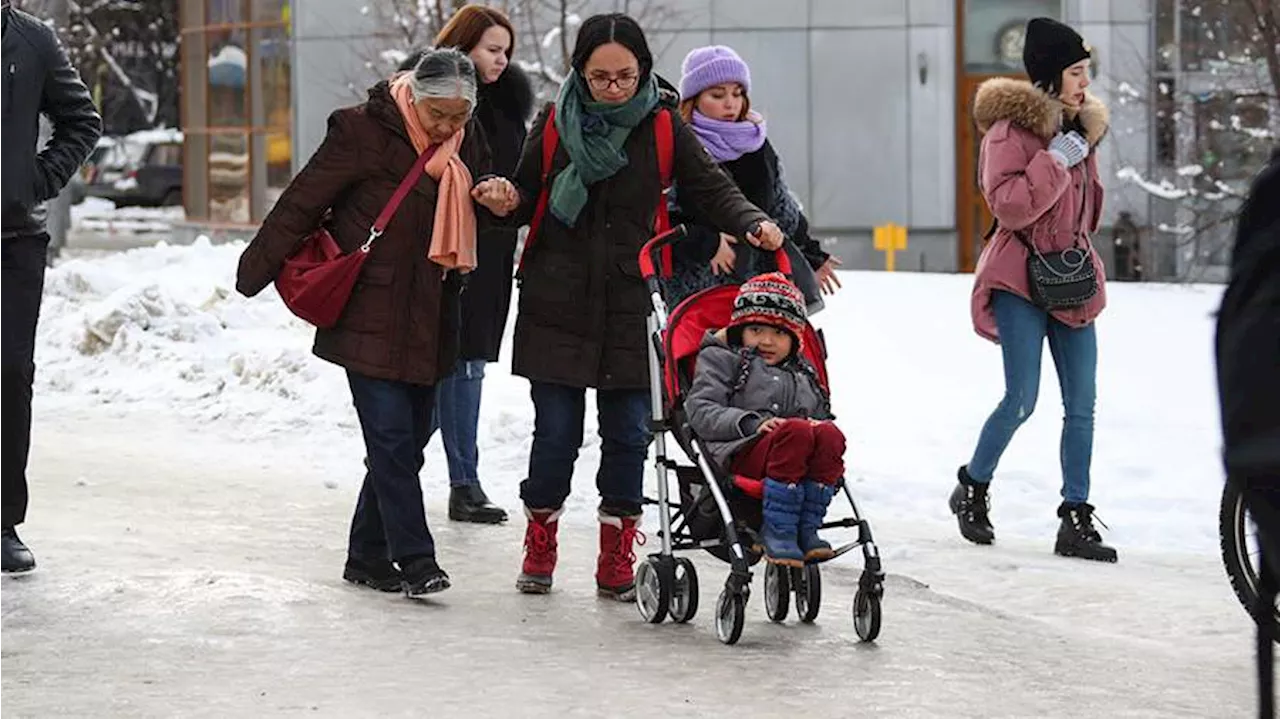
<point x="444" y="72"/>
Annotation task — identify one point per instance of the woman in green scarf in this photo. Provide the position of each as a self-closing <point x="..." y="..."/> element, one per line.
<point x="581" y="321"/>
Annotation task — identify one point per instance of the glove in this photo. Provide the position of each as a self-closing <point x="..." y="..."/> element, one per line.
<point x="1069" y="148"/>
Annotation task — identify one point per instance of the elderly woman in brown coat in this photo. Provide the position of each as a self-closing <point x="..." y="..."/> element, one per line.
<point x="398" y="334"/>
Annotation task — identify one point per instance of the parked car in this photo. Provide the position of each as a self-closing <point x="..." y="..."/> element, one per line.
<point x="143" y="169"/>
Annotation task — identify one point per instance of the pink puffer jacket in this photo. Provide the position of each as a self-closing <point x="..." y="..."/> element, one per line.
<point x="1028" y="191"/>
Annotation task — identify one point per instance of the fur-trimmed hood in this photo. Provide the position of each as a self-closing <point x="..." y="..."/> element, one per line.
<point x="1033" y="109"/>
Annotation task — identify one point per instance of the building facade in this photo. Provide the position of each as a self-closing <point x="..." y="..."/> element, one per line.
<point x="867" y="102"/>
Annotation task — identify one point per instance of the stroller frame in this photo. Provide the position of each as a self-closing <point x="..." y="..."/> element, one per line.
<point x="666" y="584"/>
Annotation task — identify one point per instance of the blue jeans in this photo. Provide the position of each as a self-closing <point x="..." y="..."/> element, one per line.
<point x="1023" y="328"/>
<point x="557" y="437"/>
<point x="390" y="521"/>
<point x="457" y="416"/>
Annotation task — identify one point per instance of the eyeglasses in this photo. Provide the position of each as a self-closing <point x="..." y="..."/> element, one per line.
<point x="603" y="82"/>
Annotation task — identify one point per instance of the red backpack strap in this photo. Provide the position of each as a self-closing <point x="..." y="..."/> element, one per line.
<point x="664" y="138"/>
<point x="550" y="140"/>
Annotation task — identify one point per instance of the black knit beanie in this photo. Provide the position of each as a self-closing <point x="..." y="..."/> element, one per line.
<point x="1049" y="48"/>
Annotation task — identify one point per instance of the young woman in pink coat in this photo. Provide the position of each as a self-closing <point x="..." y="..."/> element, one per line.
<point x="1039" y="175"/>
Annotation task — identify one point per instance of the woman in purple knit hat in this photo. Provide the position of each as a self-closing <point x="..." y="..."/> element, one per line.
<point x="714" y="89"/>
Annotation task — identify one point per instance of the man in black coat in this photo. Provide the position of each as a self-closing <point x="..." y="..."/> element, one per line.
<point x="38" y="80"/>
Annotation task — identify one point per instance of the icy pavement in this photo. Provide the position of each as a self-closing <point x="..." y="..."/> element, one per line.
<point x="185" y="571"/>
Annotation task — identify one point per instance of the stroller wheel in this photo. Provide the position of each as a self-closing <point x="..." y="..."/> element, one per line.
<point x="866" y="615"/>
<point x="807" y="582"/>
<point x="653" y="589"/>
<point x="684" y="591"/>
<point x="777" y="592"/>
<point x="730" y="615"/>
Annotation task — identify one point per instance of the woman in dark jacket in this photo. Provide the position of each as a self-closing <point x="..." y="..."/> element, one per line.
<point x="505" y="102"/>
<point x="397" y="336"/>
<point x="581" y="319"/>
<point x="714" y="102"/>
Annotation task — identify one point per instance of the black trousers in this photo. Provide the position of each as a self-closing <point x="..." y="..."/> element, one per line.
<point x="21" y="284"/>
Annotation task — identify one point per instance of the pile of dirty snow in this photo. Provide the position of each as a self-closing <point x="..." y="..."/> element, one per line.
<point x="163" y="326"/>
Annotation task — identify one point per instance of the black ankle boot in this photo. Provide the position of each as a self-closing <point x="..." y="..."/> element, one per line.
<point x="970" y="503"/>
<point x="380" y="575"/>
<point x="1077" y="536"/>
<point x="421" y="576"/>
<point x="16" y="557"/>
<point x="468" y="503"/>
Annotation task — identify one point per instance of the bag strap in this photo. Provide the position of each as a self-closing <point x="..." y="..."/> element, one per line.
<point x="410" y="179"/>
<point x="665" y="139"/>
<point x="550" y="141"/>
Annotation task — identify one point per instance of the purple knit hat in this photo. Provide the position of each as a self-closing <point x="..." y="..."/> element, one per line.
<point x="706" y="67"/>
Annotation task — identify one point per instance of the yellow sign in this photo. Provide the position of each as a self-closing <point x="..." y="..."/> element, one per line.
<point x="889" y="239"/>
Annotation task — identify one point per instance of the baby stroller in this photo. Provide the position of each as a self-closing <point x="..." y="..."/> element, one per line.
<point x="716" y="512"/>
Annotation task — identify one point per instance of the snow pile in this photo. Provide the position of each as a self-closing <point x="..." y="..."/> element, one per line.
<point x="162" y="327"/>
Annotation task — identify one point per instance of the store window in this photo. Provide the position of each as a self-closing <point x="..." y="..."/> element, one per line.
<point x="237" y="108"/>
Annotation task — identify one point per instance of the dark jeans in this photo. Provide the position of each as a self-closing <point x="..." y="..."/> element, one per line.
<point x="557" y="436"/>
<point x="390" y="521"/>
<point x="1023" y="329"/>
<point x="457" y="416"/>
<point x="21" y="284"/>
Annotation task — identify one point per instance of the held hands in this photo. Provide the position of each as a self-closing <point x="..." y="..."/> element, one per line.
<point x="725" y="257"/>
<point x="1069" y="148"/>
<point x="497" y="194"/>
<point x="766" y="236"/>
<point x="827" y="278"/>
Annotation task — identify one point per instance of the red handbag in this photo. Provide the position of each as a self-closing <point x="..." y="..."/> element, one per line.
<point x="316" y="281"/>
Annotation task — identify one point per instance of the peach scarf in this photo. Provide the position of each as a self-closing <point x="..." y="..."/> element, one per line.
<point x="453" y="236"/>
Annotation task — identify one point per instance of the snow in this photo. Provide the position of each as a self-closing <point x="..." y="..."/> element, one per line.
<point x="162" y="330"/>
<point x="1163" y="189"/>
<point x="155" y="136"/>
<point x="101" y="216"/>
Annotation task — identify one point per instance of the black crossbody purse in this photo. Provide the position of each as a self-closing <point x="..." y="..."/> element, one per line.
<point x="1067" y="278"/>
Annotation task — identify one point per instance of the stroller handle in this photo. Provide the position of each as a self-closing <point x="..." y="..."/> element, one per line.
<point x="655" y="256"/>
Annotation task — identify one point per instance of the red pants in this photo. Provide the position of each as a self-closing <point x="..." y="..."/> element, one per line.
<point x="795" y="450"/>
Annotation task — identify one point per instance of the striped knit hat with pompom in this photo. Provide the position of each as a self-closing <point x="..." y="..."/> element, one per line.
<point x="770" y="299"/>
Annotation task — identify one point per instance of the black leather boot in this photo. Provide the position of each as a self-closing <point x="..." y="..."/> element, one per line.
<point x="1077" y="537"/>
<point x="971" y="505"/>
<point x="468" y="503"/>
<point x="16" y="557"/>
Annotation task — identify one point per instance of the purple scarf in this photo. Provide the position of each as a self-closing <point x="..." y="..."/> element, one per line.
<point x="729" y="140"/>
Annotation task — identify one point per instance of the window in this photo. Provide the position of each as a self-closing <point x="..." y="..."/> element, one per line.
<point x="167" y="154"/>
<point x="1230" y="135"/>
<point x="237" y="107"/>
<point x="994" y="29"/>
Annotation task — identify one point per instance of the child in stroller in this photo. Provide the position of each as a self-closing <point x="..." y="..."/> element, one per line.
<point x="758" y="405"/>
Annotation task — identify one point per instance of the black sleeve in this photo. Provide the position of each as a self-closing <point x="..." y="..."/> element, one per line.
<point x="706" y="190"/>
<point x="528" y="179"/>
<point x="76" y="123"/>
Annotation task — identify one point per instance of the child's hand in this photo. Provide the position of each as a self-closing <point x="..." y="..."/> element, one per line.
<point x="815" y="422"/>
<point x="769" y="425"/>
